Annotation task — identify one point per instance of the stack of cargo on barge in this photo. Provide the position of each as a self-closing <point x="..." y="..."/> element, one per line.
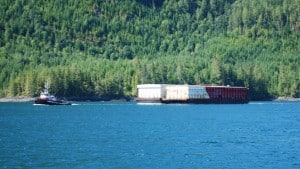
<point x="169" y="93"/>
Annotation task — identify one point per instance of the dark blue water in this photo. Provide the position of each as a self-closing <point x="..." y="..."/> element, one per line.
<point x="128" y="135"/>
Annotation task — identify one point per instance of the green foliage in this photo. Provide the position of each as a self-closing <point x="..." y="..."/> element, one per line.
<point x="105" y="48"/>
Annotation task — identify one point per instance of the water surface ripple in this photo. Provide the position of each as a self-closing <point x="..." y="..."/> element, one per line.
<point x="129" y="135"/>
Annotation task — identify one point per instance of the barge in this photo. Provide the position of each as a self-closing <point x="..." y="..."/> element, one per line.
<point x="206" y="94"/>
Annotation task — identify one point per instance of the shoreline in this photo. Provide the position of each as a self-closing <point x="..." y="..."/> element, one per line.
<point x="287" y="99"/>
<point x="18" y="99"/>
<point x="95" y="99"/>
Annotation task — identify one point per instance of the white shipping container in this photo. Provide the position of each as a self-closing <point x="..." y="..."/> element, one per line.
<point x="176" y="92"/>
<point x="150" y="91"/>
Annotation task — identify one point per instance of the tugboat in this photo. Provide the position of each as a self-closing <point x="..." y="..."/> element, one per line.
<point x="47" y="99"/>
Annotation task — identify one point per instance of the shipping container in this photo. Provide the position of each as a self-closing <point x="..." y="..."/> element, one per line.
<point x="150" y="92"/>
<point x="176" y="92"/>
<point x="227" y="94"/>
<point x="197" y="92"/>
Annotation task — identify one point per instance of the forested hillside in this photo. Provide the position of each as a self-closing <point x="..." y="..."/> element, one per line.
<point x="106" y="47"/>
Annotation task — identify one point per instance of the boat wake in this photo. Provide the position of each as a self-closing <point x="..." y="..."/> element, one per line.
<point x="148" y="104"/>
<point x="40" y="104"/>
<point x="265" y="103"/>
<point x="72" y="104"/>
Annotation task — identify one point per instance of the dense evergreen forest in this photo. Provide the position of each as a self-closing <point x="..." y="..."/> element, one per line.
<point x="106" y="47"/>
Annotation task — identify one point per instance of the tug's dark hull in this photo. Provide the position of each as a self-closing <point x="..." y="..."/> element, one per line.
<point x="51" y="102"/>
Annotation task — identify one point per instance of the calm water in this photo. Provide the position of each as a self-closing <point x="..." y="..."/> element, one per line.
<point x="128" y="135"/>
